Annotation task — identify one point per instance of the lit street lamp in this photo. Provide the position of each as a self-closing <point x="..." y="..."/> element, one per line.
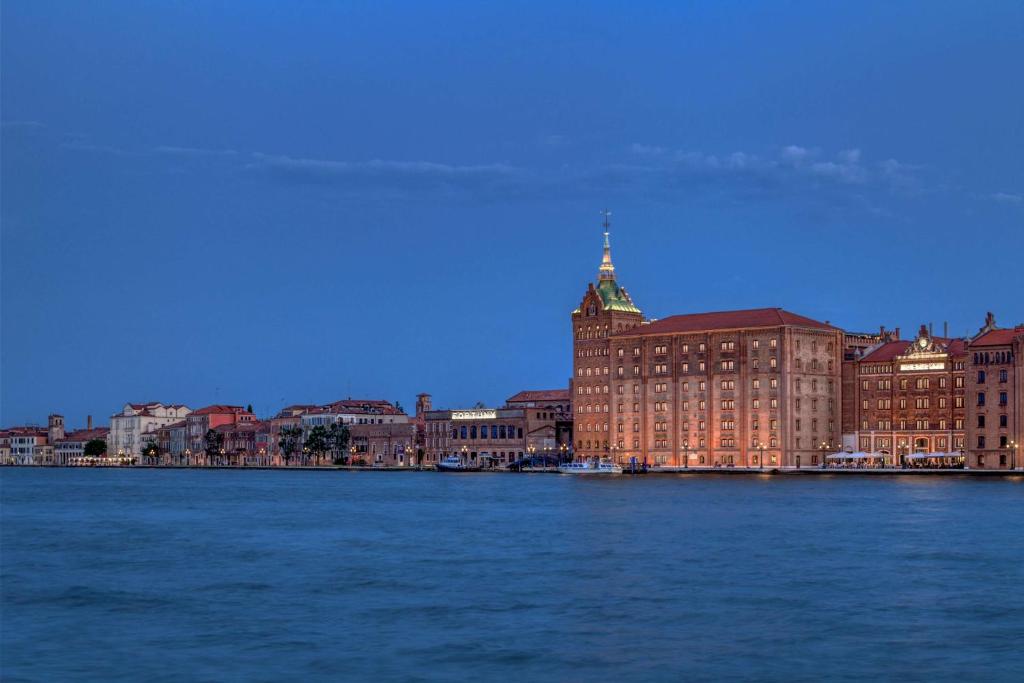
<point x="686" y="454"/>
<point x="760" y="455"/>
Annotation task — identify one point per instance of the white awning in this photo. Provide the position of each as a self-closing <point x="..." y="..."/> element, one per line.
<point x="860" y="455"/>
<point x="925" y="456"/>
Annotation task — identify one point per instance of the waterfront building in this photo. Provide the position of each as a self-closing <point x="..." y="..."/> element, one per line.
<point x="383" y="444"/>
<point x="527" y="425"/>
<point x="24" y="445"/>
<point x="731" y="388"/>
<point x="995" y="397"/>
<point x="246" y="443"/>
<point x="199" y="422"/>
<point x="136" y="419"/>
<point x="905" y="399"/>
<point x="288" y="417"/>
<point x="71" y="449"/>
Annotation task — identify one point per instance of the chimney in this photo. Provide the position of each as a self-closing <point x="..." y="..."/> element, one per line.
<point x="88" y="422"/>
<point x="897" y="333"/>
<point x="945" y="329"/>
<point x="930" y="334"/>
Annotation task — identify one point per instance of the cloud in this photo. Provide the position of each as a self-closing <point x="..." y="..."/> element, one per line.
<point x="1007" y="198"/>
<point x="193" y="151"/>
<point x="402" y="178"/>
<point x="646" y="150"/>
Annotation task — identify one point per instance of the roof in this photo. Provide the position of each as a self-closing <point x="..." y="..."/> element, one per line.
<point x="540" y="395"/>
<point x="218" y="409"/>
<point x="725" y="320"/>
<point x="890" y="350"/>
<point x="615" y="298"/>
<point x="87" y="434"/>
<point x="999" y="337"/>
<point x="363" y="406"/>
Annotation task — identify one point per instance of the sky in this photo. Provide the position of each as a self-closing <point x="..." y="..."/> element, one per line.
<point x="275" y="203"/>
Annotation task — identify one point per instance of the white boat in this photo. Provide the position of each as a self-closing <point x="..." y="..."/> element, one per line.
<point x="590" y="467"/>
<point x="453" y="463"/>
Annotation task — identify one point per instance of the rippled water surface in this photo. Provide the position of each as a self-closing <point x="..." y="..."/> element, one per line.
<point x="127" y="575"/>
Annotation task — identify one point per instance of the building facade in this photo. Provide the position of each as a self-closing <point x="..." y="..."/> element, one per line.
<point x="200" y="421"/>
<point x="906" y="400"/>
<point x="995" y="397"/>
<point x="383" y="444"/>
<point x="734" y="388"/>
<point x="136" y="419"/>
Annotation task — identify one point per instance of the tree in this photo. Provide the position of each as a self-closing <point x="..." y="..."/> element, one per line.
<point x="399" y="407"/>
<point x="337" y="441"/>
<point x="289" y="442"/>
<point x="151" y="450"/>
<point x="214" y="443"/>
<point x="248" y="408"/>
<point x="318" y="442"/>
<point x="95" y="447"/>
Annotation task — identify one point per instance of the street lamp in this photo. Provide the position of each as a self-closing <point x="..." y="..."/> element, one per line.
<point x="465" y="450"/>
<point x="531" y="449"/>
<point x="760" y="455"/>
<point x="561" y="453"/>
<point x="408" y="454"/>
<point x="686" y="454"/>
<point x="1012" y="447"/>
<point x="823" y="448"/>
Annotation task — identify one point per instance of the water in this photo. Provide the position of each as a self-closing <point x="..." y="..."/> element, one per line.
<point x="127" y="575"/>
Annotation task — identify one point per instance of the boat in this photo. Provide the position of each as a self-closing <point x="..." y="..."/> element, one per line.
<point x="453" y="463"/>
<point x="603" y="466"/>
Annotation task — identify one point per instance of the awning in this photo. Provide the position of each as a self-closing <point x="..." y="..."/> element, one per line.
<point x="854" y="456"/>
<point x="925" y="456"/>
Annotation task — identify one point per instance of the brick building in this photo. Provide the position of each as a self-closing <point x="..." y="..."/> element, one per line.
<point x="905" y="399"/>
<point x="995" y="397"/>
<point x="199" y="422"/>
<point x="388" y="444"/>
<point x="739" y="388"/>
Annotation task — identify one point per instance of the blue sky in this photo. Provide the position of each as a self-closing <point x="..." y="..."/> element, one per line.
<point x="273" y="203"/>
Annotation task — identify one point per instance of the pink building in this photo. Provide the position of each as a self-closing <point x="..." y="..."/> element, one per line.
<point x="199" y="422"/>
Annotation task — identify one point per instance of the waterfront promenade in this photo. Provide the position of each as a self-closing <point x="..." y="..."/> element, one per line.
<point x="650" y="471"/>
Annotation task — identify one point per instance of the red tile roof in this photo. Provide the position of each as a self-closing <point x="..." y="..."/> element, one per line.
<point x="889" y="350"/>
<point x="540" y="395"/>
<point x="87" y="434"/>
<point x="886" y="352"/>
<point x="219" y="409"/>
<point x="999" y="337"/>
<point x="365" y="406"/>
<point x="725" y="320"/>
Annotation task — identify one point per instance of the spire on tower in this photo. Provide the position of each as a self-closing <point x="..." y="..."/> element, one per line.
<point x="607" y="270"/>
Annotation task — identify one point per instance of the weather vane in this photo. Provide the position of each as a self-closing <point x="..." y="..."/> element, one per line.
<point x="607" y="214"/>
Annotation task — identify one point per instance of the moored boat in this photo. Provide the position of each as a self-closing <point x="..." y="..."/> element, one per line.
<point x="603" y="466"/>
<point x="453" y="463"/>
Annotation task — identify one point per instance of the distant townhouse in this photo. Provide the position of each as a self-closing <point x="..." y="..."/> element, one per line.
<point x="995" y="397"/>
<point x="200" y="421"/>
<point x="386" y="444"/>
<point x="23" y="445"/>
<point x="137" y="419"/>
<point x="246" y="443"/>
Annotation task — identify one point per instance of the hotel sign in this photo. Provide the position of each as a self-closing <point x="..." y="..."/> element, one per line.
<point x="913" y="367"/>
<point x="474" y="414"/>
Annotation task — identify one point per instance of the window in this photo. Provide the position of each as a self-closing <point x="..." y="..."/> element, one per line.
<point x="756" y="344"/>
<point x="702" y="347"/>
<point x="686" y="368"/>
<point x="660" y="350"/>
<point x="686" y="348"/>
<point x="1002" y="376"/>
<point x="981" y="398"/>
<point x="981" y="376"/>
<point x="728" y="365"/>
<point x="1002" y="398"/>
<point x="773" y="362"/>
<point x="756" y="384"/>
<point x="773" y="343"/>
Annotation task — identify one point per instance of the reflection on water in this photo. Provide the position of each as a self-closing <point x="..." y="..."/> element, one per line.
<point x="212" y="575"/>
